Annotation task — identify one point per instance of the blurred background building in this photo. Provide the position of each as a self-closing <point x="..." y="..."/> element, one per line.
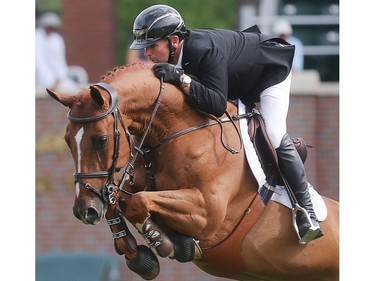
<point x="315" y="22"/>
<point x="97" y="36"/>
<point x="107" y="25"/>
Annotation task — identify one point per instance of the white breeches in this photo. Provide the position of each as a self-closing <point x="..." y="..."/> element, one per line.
<point x="273" y="106"/>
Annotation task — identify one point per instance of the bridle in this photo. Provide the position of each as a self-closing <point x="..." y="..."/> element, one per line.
<point x="108" y="192"/>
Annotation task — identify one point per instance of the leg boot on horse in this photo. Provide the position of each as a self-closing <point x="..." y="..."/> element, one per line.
<point x="293" y="170"/>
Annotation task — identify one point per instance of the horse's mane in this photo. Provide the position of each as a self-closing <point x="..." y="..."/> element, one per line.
<point x="116" y="73"/>
<point x="112" y="74"/>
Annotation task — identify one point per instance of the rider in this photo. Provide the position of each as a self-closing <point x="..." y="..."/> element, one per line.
<point x="230" y="64"/>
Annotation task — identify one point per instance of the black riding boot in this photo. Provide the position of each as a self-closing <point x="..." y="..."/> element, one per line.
<point x="293" y="170"/>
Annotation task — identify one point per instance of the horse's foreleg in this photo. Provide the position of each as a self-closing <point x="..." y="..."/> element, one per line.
<point x="124" y="241"/>
<point x="155" y="238"/>
<point x="185" y="210"/>
<point x="139" y="259"/>
<point x="183" y="248"/>
<point x="179" y="208"/>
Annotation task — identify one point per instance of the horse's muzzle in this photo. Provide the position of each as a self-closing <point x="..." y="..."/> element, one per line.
<point x="91" y="214"/>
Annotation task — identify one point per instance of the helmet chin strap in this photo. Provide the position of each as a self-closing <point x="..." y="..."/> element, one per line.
<point x="172" y="51"/>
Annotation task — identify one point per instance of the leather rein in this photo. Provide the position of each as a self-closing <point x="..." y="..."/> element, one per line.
<point x="110" y="189"/>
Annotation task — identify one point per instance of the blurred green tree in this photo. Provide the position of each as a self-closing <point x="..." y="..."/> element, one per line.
<point x="196" y="14"/>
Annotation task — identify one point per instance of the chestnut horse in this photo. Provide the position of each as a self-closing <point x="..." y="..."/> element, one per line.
<point x="142" y="154"/>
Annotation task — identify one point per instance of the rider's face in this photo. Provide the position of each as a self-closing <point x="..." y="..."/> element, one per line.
<point x="159" y="51"/>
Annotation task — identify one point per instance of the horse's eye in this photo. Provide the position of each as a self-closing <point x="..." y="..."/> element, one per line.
<point x="101" y="141"/>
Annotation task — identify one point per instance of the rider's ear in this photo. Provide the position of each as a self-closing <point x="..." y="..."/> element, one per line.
<point x="96" y="96"/>
<point x="175" y="40"/>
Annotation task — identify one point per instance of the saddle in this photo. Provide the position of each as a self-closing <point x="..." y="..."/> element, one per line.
<point x="265" y="151"/>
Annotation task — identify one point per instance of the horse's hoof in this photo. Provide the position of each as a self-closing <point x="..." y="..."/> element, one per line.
<point x="184" y="248"/>
<point x="145" y="264"/>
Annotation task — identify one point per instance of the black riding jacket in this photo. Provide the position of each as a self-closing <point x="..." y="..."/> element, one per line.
<point x="232" y="64"/>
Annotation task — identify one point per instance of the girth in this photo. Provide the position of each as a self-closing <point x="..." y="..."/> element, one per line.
<point x="225" y="258"/>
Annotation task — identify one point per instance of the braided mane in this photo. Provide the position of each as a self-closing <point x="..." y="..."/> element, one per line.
<point x="110" y="75"/>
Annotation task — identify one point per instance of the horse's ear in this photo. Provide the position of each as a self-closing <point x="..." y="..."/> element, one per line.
<point x="66" y="100"/>
<point x="97" y="96"/>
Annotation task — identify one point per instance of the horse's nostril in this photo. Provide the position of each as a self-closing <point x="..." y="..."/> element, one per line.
<point x="92" y="214"/>
<point x="76" y="214"/>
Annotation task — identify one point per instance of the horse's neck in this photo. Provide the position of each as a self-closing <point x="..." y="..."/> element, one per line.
<point x="138" y="101"/>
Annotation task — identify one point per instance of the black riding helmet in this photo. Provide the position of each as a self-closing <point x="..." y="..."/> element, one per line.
<point x="154" y="23"/>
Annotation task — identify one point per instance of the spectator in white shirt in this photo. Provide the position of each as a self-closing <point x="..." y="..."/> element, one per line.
<point x="283" y="29"/>
<point x="50" y="58"/>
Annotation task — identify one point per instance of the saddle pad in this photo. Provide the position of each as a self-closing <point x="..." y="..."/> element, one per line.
<point x="280" y="194"/>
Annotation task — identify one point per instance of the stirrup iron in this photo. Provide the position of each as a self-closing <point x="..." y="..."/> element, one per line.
<point x="311" y="233"/>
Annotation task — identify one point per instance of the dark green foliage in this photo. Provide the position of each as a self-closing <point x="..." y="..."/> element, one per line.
<point x="196" y="14"/>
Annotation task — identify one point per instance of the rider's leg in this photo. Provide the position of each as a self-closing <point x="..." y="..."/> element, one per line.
<point x="293" y="170"/>
<point x="274" y="104"/>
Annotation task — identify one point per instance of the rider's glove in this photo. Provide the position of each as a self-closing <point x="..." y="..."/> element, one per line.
<point x="170" y="72"/>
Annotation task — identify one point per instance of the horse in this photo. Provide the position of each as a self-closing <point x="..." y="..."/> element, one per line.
<point x="143" y="155"/>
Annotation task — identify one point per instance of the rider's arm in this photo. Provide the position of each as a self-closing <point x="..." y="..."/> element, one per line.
<point x="210" y="92"/>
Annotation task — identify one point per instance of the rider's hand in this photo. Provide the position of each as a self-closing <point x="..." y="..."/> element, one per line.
<point x="170" y="72"/>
